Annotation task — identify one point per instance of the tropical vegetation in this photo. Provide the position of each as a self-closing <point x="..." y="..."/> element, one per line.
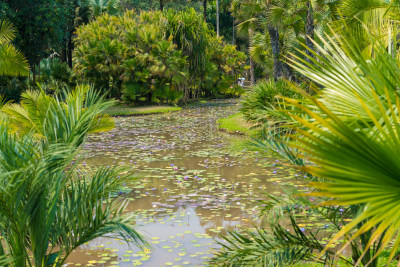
<point x="49" y="207"/>
<point x="156" y="57"/>
<point x="12" y="61"/>
<point x="323" y="97"/>
<point x="339" y="127"/>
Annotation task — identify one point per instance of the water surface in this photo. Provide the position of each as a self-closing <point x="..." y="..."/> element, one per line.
<point x="193" y="186"/>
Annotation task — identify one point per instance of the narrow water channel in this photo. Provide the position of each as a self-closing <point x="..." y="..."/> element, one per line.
<point x="191" y="187"/>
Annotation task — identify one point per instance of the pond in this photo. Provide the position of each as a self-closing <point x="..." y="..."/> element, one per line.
<point x="193" y="183"/>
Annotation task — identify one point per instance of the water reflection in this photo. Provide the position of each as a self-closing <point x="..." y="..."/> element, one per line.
<point x="192" y="186"/>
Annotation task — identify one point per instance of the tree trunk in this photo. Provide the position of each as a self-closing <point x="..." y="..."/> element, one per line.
<point x="205" y="10"/>
<point x="70" y="48"/>
<point x="63" y="53"/>
<point x="161" y="5"/>
<point x="288" y="72"/>
<point x="252" y="78"/>
<point x="34" y="74"/>
<point x="276" y="50"/>
<point x="233" y="31"/>
<point x="217" y="18"/>
<point x="309" y="31"/>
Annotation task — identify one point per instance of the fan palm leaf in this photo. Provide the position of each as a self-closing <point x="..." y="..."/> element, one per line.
<point x="363" y="19"/>
<point x="353" y="137"/>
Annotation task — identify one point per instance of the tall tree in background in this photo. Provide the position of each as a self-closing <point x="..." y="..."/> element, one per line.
<point x="226" y="19"/>
<point x="245" y="13"/>
<point x="233" y="31"/>
<point x="217" y="18"/>
<point x="274" y="37"/>
<point x="309" y="30"/>
<point x="205" y="9"/>
<point x="78" y="12"/>
<point x="253" y="16"/>
<point x="276" y="50"/>
<point x="73" y="15"/>
<point x="38" y="25"/>
<point x="99" y="7"/>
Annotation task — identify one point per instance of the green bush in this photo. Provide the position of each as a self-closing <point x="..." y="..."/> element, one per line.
<point x="263" y="103"/>
<point x="156" y="57"/>
<point x="54" y="75"/>
<point x="227" y="64"/>
<point x="11" y="88"/>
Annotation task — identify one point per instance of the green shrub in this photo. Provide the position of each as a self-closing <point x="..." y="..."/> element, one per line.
<point x="156" y="57"/>
<point x="11" y="88"/>
<point x="263" y="103"/>
<point x="54" y="75"/>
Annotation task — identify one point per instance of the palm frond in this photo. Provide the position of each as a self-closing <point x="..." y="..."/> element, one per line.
<point x="7" y="32"/>
<point x="353" y="138"/>
<point x="277" y="246"/>
<point x="57" y="120"/>
<point x="47" y="207"/>
<point x="12" y="61"/>
<point x="84" y="214"/>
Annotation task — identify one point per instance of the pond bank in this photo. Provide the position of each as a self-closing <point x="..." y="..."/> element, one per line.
<point x="123" y="110"/>
<point x="235" y="124"/>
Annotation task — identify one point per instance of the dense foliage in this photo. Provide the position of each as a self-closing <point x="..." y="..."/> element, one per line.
<point x="324" y="96"/>
<point x="339" y="126"/>
<point x="264" y="103"/>
<point x="12" y="63"/>
<point x="205" y="71"/>
<point x="156" y="57"/>
<point x="48" y="206"/>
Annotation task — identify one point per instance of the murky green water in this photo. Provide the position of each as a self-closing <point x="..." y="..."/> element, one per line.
<point x="192" y="185"/>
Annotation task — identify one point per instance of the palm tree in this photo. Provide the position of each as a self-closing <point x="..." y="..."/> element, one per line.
<point x="300" y="19"/>
<point x="99" y="7"/>
<point x="31" y="116"/>
<point x="364" y="19"/>
<point x="309" y="29"/>
<point x="253" y="15"/>
<point x="245" y="15"/>
<point x="49" y="207"/>
<point x="12" y="61"/>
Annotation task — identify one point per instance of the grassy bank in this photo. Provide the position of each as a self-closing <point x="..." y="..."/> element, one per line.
<point x="235" y="124"/>
<point x="122" y="110"/>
